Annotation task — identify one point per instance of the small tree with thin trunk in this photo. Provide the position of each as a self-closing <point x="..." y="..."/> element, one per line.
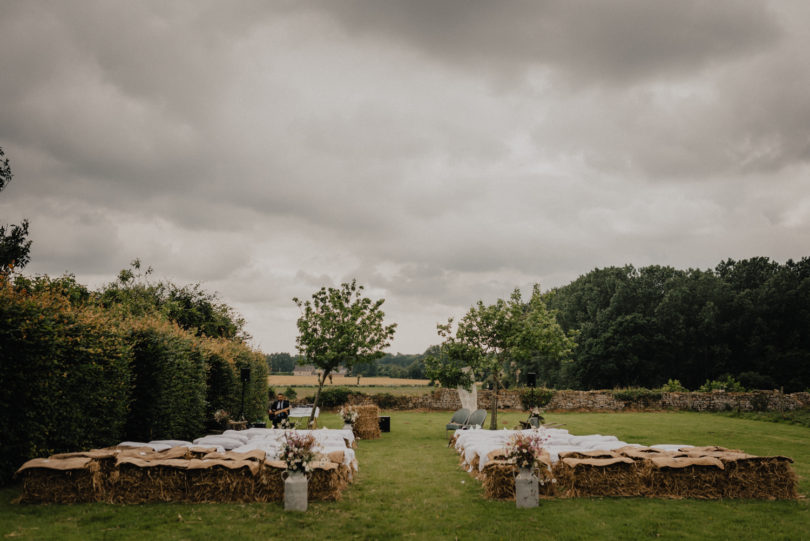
<point x="490" y="338"/>
<point x="340" y="327"/>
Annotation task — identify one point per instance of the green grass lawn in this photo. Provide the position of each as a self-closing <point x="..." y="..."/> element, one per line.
<point x="410" y="487"/>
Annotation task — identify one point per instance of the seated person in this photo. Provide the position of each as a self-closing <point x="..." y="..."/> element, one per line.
<point x="279" y="410"/>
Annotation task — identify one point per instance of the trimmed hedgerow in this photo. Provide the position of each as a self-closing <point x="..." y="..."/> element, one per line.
<point x="224" y="362"/>
<point x="65" y="374"/>
<point x="168" y="395"/>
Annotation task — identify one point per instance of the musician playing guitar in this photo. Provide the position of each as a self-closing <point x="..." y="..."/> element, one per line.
<point x="279" y="410"/>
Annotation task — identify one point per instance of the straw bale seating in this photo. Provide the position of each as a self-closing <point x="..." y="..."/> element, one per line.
<point x="148" y="472"/>
<point x="367" y="425"/>
<point x="597" y="466"/>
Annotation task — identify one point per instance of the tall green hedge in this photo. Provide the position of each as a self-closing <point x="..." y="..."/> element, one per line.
<point x="74" y="375"/>
<point x="169" y="383"/>
<point x="64" y="377"/>
<point x="225" y="360"/>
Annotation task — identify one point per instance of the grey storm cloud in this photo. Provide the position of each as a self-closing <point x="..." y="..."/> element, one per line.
<point x="439" y="151"/>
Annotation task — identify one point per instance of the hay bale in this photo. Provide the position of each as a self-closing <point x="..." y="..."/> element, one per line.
<point x="213" y="480"/>
<point x="367" y="425"/>
<point x="498" y="480"/>
<point x="686" y="477"/>
<point x="66" y="480"/>
<point x="326" y="481"/>
<point x="269" y="485"/>
<point x="141" y="481"/>
<point x="764" y="478"/>
<point x="588" y="477"/>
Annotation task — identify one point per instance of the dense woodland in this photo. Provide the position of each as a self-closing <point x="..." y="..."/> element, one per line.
<point x="747" y="319"/>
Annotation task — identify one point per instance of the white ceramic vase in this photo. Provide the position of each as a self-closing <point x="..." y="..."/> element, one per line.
<point x="527" y="492"/>
<point x="295" y="491"/>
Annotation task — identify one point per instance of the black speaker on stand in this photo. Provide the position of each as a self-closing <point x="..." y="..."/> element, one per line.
<point x="531" y="383"/>
<point x="245" y="376"/>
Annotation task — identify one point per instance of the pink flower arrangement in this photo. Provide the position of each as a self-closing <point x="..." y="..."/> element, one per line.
<point x="525" y="448"/>
<point x="297" y="452"/>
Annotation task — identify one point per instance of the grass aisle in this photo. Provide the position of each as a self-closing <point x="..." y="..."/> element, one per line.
<point x="410" y="487"/>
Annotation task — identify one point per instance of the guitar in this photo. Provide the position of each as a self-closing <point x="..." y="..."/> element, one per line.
<point x="277" y="412"/>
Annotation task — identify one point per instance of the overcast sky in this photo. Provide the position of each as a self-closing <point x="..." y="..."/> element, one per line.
<point x="440" y="152"/>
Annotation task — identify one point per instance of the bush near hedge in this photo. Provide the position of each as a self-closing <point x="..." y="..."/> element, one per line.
<point x="65" y="376"/>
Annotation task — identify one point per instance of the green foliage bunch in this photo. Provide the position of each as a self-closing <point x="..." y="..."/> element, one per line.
<point x="66" y="376"/>
<point x="638" y="395"/>
<point x="535" y="398"/>
<point x="334" y="397"/>
<point x="673" y="386"/>
<point x="727" y="383"/>
<point x="14" y="246"/>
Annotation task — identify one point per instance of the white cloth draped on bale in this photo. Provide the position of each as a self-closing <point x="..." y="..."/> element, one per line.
<point x="479" y="443"/>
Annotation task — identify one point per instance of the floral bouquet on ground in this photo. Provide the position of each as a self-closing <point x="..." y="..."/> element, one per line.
<point x="298" y="452"/>
<point x="221" y="417"/>
<point x="349" y="414"/>
<point x="286" y="424"/>
<point x="525" y="448"/>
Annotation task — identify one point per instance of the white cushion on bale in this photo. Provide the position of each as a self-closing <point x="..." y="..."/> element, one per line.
<point x="478" y="443"/>
<point x="269" y="440"/>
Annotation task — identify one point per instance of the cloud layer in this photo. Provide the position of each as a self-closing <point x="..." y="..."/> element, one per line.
<point x="440" y="152"/>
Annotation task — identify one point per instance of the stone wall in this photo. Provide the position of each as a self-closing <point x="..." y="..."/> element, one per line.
<point x="447" y="399"/>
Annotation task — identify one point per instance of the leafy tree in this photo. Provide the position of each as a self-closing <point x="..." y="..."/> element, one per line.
<point x="340" y="327"/>
<point x="14" y="246"/>
<point x="191" y="307"/>
<point x="494" y="341"/>
<point x="280" y="362"/>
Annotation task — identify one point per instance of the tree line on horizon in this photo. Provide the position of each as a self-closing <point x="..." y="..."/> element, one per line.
<point x="747" y="320"/>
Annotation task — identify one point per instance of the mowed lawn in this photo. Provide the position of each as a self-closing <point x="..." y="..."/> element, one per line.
<point x="411" y="487"/>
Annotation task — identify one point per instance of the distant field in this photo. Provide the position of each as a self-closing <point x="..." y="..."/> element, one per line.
<point x="344" y="381"/>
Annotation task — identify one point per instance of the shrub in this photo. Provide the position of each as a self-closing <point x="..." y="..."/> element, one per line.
<point x="673" y="386"/>
<point x="755" y="380"/>
<point x="535" y="398"/>
<point x="387" y="400"/>
<point x="760" y="401"/>
<point x="333" y="397"/>
<point x="291" y="394"/>
<point x="728" y="384"/>
<point x="637" y="395"/>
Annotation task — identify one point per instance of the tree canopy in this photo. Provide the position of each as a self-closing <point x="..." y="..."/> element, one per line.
<point x="340" y="327"/>
<point x="644" y="326"/>
<point x="500" y="342"/>
<point x="14" y="243"/>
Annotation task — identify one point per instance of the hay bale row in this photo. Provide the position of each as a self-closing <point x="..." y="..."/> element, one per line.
<point x="124" y="477"/>
<point x="367" y="425"/>
<point x="702" y="473"/>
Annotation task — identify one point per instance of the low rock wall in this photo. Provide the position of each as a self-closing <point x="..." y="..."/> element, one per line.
<point x="447" y="399"/>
